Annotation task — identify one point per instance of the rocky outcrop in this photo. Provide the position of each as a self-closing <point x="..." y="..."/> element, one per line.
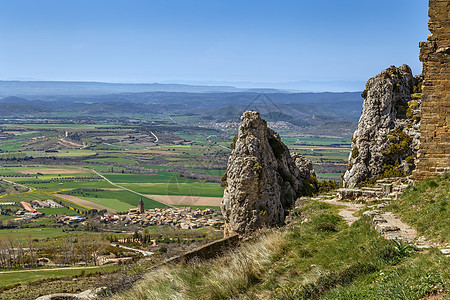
<point x="262" y="180"/>
<point x="308" y="180"/>
<point x="387" y="137"/>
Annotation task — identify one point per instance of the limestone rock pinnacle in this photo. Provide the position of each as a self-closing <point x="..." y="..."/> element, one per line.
<point x="387" y="136"/>
<point x="262" y="180"/>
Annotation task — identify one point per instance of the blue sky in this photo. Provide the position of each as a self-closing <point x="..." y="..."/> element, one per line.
<point x="208" y="41"/>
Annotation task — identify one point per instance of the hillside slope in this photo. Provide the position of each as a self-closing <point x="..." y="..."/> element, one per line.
<point x="316" y="256"/>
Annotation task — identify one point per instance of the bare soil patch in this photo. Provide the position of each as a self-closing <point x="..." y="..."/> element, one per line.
<point x="53" y="171"/>
<point x="187" y="200"/>
<point x="84" y="203"/>
<point x="346" y="212"/>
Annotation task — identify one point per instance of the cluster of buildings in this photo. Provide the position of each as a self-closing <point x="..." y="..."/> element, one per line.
<point x="70" y="220"/>
<point x="184" y="217"/>
<point x="29" y="209"/>
<point x="46" y="204"/>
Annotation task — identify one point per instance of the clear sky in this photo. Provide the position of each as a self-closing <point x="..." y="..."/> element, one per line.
<point x="208" y="40"/>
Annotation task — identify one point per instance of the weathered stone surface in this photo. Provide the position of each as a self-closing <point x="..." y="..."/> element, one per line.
<point x="262" y="180"/>
<point x="388" y="131"/>
<point x="434" y="149"/>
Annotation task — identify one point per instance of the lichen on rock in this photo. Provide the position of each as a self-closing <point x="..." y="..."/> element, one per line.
<point x="262" y="180"/>
<point x="387" y="137"/>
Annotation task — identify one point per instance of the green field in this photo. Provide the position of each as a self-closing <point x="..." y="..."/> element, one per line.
<point x="93" y="184"/>
<point x="112" y="160"/>
<point x="201" y="189"/>
<point x="25" y="276"/>
<point x="36" y="233"/>
<point x="58" y="211"/>
<point x="161" y="177"/>
<point x="58" y="177"/>
<point x="209" y="172"/>
<point x="112" y="203"/>
<point x="8" y="172"/>
<point x="66" y="153"/>
<point x="118" y="200"/>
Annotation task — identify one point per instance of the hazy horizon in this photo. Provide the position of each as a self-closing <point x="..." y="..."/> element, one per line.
<point x="246" y="44"/>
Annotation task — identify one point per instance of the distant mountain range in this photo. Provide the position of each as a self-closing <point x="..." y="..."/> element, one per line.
<point x="109" y="100"/>
<point x="73" y="88"/>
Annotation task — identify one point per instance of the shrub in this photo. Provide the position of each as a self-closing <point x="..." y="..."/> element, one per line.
<point x="233" y="144"/>
<point x="364" y="94"/>
<point x="328" y="185"/>
<point x="355" y="152"/>
<point x="400" y="143"/>
<point x="223" y="180"/>
<point x="417" y="88"/>
<point x="409" y="159"/>
<point x="413" y="104"/>
<point x="416" y="96"/>
<point x="309" y="187"/>
<point x="409" y="113"/>
<point x="257" y="168"/>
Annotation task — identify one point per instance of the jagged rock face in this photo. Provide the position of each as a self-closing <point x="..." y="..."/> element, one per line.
<point x="262" y="181"/>
<point x="387" y="135"/>
<point x="308" y="182"/>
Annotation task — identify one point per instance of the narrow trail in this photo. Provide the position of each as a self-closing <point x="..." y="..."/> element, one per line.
<point x="143" y="252"/>
<point x="126" y="189"/>
<point x="347" y="212"/>
<point x="386" y="223"/>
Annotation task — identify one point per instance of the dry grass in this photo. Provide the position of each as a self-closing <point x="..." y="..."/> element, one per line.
<point x="229" y="276"/>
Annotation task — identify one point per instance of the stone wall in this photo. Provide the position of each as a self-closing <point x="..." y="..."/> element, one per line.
<point x="434" y="149"/>
<point x="208" y="251"/>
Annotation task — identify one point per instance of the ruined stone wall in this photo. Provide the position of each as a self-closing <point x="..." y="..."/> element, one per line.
<point x="434" y="149"/>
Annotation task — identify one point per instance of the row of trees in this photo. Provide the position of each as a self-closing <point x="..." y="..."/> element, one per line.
<point x="84" y="249"/>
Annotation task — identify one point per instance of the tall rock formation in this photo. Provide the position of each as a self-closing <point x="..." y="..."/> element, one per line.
<point x="262" y="180"/>
<point x="387" y="136"/>
<point x="434" y="150"/>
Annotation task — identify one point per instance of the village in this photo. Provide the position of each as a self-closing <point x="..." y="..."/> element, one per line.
<point x="182" y="217"/>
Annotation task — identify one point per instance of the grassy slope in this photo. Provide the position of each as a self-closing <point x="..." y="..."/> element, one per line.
<point x="320" y="258"/>
<point x="426" y="206"/>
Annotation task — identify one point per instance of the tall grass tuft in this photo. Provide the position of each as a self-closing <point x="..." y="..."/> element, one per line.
<point x="229" y="275"/>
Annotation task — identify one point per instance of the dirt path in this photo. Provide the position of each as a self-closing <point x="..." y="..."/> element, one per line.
<point x="85" y="203"/>
<point x="156" y="138"/>
<point x="346" y="212"/>
<point x="405" y="233"/>
<point x="14" y="183"/>
<point x="143" y="252"/>
<point x="387" y="224"/>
